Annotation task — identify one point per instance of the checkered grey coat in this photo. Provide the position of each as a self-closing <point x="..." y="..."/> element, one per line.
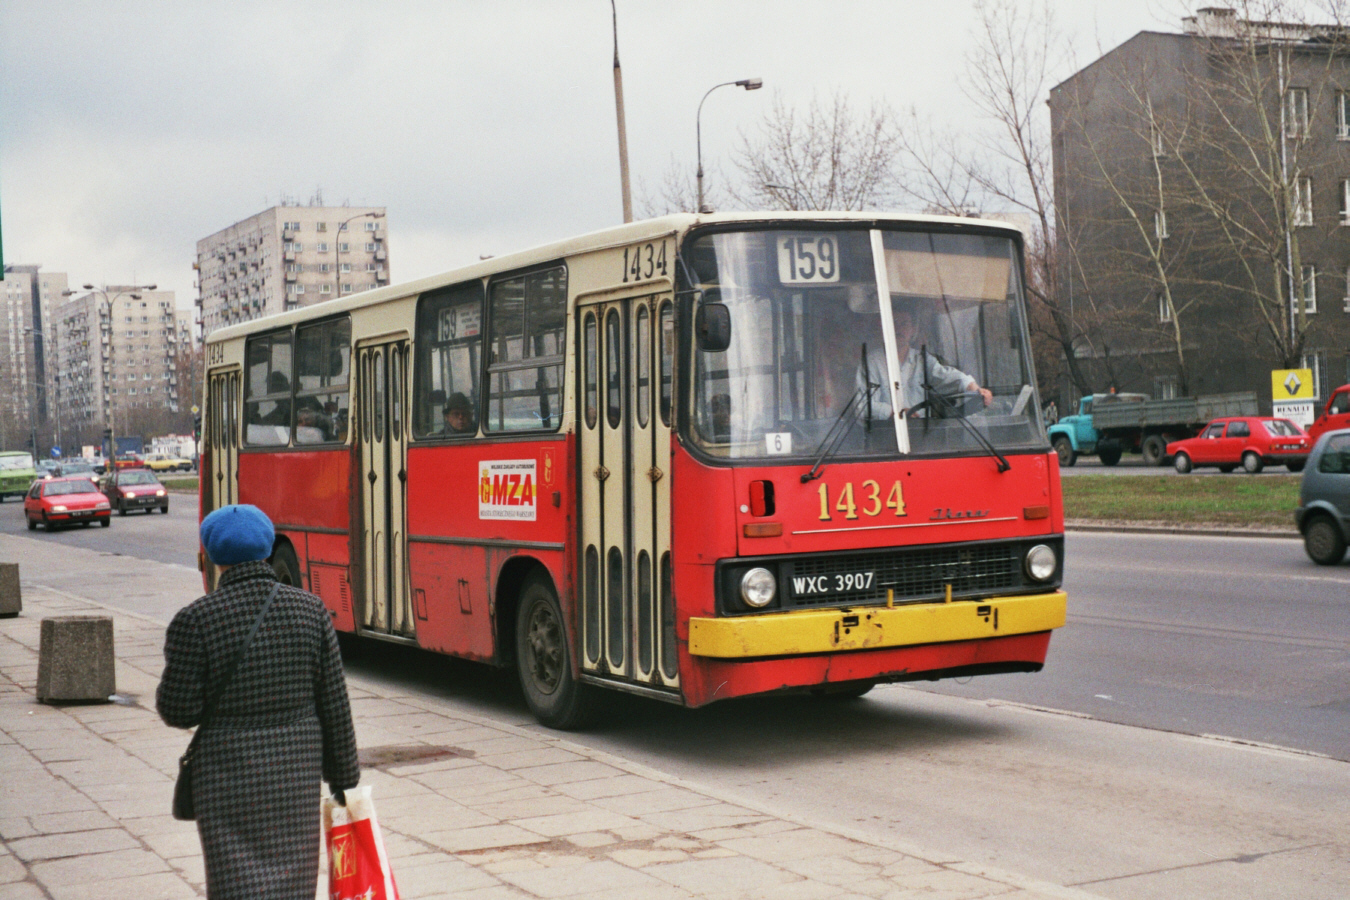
<point x="283" y="723"/>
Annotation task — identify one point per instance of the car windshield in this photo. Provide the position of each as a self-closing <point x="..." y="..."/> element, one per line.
<point x="16" y="461"/>
<point x="57" y="488"/>
<point x="137" y="478"/>
<point x="74" y="468"/>
<point x="809" y="353"/>
<point x="1282" y="428"/>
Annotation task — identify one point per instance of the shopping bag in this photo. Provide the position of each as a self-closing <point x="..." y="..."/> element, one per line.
<point x="358" y="867"/>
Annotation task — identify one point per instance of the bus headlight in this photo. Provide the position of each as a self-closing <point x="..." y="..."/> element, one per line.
<point x="1040" y="563"/>
<point x="758" y="587"/>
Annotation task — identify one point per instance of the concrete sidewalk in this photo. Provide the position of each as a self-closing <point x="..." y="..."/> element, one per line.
<point x="471" y="808"/>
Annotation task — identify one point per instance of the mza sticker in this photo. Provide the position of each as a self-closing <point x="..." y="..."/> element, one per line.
<point x="507" y="489"/>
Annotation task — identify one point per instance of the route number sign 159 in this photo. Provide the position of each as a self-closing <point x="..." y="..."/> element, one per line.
<point x="808" y="259"/>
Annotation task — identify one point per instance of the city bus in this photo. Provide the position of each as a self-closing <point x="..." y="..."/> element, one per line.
<point x="692" y="458"/>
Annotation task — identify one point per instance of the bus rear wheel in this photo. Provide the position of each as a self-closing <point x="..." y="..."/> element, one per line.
<point x="553" y="693"/>
<point x="285" y="565"/>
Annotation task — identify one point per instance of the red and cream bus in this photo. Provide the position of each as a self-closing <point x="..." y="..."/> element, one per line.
<point x="662" y="458"/>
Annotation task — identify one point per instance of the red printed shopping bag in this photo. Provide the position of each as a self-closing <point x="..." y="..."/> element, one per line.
<point x="358" y="867"/>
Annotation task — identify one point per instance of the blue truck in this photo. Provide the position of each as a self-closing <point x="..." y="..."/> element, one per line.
<point x="1110" y="425"/>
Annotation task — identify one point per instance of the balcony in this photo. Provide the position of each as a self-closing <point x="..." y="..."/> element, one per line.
<point x="288" y="256"/>
<point x="381" y="255"/>
<point x="291" y="277"/>
<point x="381" y="276"/>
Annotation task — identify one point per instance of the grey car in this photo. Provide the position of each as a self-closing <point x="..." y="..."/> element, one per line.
<point x="1323" y="514"/>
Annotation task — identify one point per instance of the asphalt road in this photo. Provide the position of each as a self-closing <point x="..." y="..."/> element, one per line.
<point x="1133" y="464"/>
<point x="154" y="536"/>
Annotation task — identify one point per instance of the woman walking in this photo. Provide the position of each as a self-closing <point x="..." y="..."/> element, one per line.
<point x="281" y="724"/>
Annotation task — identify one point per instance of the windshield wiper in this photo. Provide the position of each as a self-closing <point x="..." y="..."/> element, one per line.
<point x="843" y="423"/>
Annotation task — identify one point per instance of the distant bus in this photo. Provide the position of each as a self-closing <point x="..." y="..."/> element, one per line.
<point x="661" y="458"/>
<point x="17" y="473"/>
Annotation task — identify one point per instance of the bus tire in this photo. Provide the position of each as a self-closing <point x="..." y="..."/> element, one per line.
<point x="285" y="565"/>
<point x="554" y="695"/>
<point x="1064" y="449"/>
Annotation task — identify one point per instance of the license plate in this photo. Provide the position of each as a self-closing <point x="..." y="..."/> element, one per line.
<point x="837" y="583"/>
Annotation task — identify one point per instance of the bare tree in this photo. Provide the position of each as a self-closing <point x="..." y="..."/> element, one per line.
<point x="1007" y="165"/>
<point x="824" y="157"/>
<point x="678" y="191"/>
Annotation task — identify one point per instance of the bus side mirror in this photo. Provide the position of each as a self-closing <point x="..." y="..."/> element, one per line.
<point x="712" y="327"/>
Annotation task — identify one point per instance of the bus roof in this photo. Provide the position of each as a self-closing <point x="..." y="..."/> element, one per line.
<point x="615" y="236"/>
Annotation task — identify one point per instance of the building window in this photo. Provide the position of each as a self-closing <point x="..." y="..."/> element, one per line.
<point x="1343" y="115"/>
<point x="325" y="288"/>
<point x="321" y="226"/>
<point x="1317" y="361"/>
<point x="1164" y="309"/>
<point x="345" y="268"/>
<point x="1347" y="290"/>
<point x="1160" y="224"/>
<point x="323" y="247"/>
<point x="1296" y="113"/>
<point x="1345" y="201"/>
<point x="344" y="247"/>
<point x="370" y="247"/>
<point x="346" y="289"/>
<point x="324" y="267"/>
<point x="1303" y="201"/>
<point x="1310" y="289"/>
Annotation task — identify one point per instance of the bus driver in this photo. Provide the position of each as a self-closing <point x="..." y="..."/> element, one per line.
<point x="945" y="380"/>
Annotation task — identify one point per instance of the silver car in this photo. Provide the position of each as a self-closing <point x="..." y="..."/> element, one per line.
<point x="1323" y="514"/>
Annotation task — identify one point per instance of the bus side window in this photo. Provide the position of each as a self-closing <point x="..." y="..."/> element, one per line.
<point x="323" y="362"/>
<point x="267" y="390"/>
<point x="527" y="325"/>
<point x="449" y="359"/>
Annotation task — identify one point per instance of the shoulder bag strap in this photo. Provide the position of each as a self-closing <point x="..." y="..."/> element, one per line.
<point x="209" y="709"/>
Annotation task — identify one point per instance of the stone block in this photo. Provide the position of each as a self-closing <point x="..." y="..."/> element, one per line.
<point x="11" y="600"/>
<point x="75" y="659"/>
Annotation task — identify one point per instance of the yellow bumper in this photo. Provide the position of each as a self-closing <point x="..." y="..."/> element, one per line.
<point x="866" y="628"/>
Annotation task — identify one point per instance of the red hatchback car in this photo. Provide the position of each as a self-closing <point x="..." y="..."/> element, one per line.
<point x="65" y="501"/>
<point x="1248" y="441"/>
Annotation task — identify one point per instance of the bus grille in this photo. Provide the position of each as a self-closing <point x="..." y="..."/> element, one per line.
<point x="916" y="575"/>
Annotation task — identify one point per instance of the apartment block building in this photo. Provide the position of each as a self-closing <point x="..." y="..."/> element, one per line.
<point x="121" y="355"/>
<point x="286" y="257"/>
<point x="1202" y="192"/>
<point x="27" y="296"/>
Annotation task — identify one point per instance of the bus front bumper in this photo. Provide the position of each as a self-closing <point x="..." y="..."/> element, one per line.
<point x="871" y="628"/>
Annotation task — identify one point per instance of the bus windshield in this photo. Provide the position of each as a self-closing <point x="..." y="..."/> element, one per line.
<point x="808" y="363"/>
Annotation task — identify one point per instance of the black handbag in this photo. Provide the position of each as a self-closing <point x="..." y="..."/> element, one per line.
<point x="184" y="809"/>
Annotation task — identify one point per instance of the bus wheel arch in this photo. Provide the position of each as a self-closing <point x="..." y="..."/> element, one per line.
<point x="543" y="652"/>
<point x="285" y="563"/>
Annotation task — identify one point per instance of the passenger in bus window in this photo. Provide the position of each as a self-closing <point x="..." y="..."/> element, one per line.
<point x="459" y="415"/>
<point x="945" y="380"/>
<point x="312" y="424"/>
<point x="280" y="414"/>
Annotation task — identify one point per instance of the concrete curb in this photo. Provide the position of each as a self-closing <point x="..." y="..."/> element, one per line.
<point x="1162" y="528"/>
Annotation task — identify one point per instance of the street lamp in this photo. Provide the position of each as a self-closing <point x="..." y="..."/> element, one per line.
<point x="337" y="243"/>
<point x="750" y="84"/>
<point x="133" y="292"/>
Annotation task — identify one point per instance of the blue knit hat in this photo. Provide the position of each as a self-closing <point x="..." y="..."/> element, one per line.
<point x="237" y="534"/>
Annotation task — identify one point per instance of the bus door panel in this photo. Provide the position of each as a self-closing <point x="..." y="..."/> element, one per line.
<point x="624" y="450"/>
<point x="382" y="394"/>
<point x="223" y="434"/>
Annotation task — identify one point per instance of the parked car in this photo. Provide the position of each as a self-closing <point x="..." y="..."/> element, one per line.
<point x="163" y="462"/>
<point x="130" y="461"/>
<point x="129" y="489"/>
<point x="1323" y="514"/>
<point x="1252" y="442"/>
<point x="16" y="473"/>
<point x="65" y="501"/>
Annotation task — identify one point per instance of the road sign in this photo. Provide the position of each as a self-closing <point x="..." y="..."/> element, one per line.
<point x="1291" y="384"/>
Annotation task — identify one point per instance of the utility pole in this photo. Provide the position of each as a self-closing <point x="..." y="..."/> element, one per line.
<point x="623" y="128"/>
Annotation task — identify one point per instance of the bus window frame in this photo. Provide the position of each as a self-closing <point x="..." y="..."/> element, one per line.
<point x="297" y="393"/>
<point x="422" y="360"/>
<point x="558" y="360"/>
<point x="273" y="396"/>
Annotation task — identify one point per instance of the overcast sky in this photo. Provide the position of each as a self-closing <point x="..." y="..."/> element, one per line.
<point x="129" y="130"/>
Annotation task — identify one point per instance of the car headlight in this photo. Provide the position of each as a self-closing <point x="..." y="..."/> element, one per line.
<point x="103" y="504"/>
<point x="1040" y="563"/>
<point x="58" y="508"/>
<point x="159" y="493"/>
<point x="758" y="587"/>
<point x="130" y="495"/>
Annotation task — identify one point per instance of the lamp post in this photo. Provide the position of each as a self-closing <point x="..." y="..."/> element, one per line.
<point x="337" y="243"/>
<point x="108" y="300"/>
<point x="623" y="129"/>
<point x="41" y="390"/>
<point x="750" y="84"/>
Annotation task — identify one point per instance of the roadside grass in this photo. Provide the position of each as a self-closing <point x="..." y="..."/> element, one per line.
<point x="184" y="483"/>
<point x="1228" y="500"/>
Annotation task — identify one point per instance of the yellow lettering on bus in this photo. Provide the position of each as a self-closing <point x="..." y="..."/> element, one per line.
<point x="846" y="504"/>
